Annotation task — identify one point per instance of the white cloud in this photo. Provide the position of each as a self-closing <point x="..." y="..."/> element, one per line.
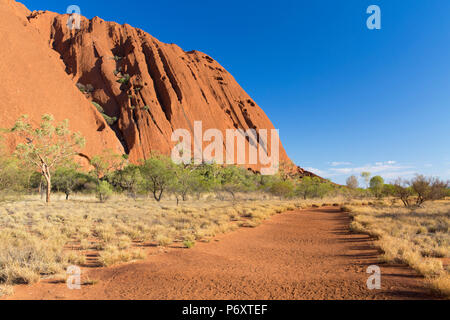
<point x="316" y="171"/>
<point x="377" y="168"/>
<point x="337" y="164"/>
<point x="389" y="170"/>
<point x="386" y="169"/>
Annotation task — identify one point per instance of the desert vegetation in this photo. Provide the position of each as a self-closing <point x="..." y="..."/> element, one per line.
<point x="113" y="211"/>
<point x="416" y="236"/>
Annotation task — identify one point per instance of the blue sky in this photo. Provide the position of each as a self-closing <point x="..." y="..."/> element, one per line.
<point x="345" y="98"/>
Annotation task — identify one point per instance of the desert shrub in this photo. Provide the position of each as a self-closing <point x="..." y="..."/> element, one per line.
<point x="112" y="255"/>
<point x="67" y="179"/>
<point x="98" y="107"/>
<point x="163" y="240"/>
<point x="125" y="79"/>
<point x="282" y="189"/>
<point x="109" y="120"/>
<point x="188" y="244"/>
<point x="428" y="189"/>
<point x="414" y="237"/>
<point x="81" y="87"/>
<point x="14" y="177"/>
<point x="6" y="290"/>
<point x="313" y="187"/>
<point x="23" y="258"/>
<point x="104" y="191"/>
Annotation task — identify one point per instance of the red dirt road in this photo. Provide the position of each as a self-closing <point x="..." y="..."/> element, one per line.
<point x="307" y="254"/>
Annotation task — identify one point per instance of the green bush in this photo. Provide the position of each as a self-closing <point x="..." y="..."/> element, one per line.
<point x="376" y="185"/>
<point x="125" y="79"/>
<point x="188" y="244"/>
<point x="109" y="120"/>
<point x="104" y="191"/>
<point x="98" y="107"/>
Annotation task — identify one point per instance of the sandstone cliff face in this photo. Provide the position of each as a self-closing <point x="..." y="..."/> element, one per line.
<point x="34" y="82"/>
<point x="149" y="87"/>
<point x="168" y="88"/>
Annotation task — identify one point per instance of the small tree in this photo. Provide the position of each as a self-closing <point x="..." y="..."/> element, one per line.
<point x="206" y="178"/>
<point x="104" y="191"/>
<point x="46" y="146"/>
<point x="312" y="188"/>
<point x="352" y="182"/>
<point x="282" y="188"/>
<point x="388" y="190"/>
<point x="366" y="176"/>
<point x="376" y="185"/>
<point x="428" y="189"/>
<point x="66" y="179"/>
<point x="403" y="191"/>
<point x="158" y="173"/>
<point x="13" y="176"/>
<point x="188" y="180"/>
<point x="129" y="179"/>
<point x="234" y="179"/>
<point x="106" y="163"/>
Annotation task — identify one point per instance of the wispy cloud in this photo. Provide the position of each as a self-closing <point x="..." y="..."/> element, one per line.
<point x="387" y="169"/>
<point x="377" y="168"/>
<point x="338" y="164"/>
<point x="316" y="171"/>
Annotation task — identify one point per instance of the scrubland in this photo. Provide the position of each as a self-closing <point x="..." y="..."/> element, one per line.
<point x="418" y="237"/>
<point x="40" y="241"/>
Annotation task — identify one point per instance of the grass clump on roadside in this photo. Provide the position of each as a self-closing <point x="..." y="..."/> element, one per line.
<point x="418" y="237"/>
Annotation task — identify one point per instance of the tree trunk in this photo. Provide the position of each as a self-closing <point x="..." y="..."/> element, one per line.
<point x="49" y="189"/>
<point x="48" y="178"/>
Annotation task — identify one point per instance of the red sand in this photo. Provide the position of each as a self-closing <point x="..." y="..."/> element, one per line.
<point x="297" y="255"/>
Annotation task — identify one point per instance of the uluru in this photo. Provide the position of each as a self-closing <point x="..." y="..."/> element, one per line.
<point x="122" y="88"/>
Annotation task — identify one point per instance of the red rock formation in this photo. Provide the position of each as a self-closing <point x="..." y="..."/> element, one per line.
<point x="33" y="82"/>
<point x="167" y="88"/>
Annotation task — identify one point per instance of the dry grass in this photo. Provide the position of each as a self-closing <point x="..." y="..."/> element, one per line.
<point x="419" y="238"/>
<point x="38" y="241"/>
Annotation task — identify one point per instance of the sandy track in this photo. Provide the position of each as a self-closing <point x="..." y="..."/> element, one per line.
<point x="306" y="254"/>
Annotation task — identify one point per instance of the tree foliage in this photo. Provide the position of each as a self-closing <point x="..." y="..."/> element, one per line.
<point x="159" y="175"/>
<point x="376" y="186"/>
<point x="46" y="146"/>
<point x="352" y="182"/>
